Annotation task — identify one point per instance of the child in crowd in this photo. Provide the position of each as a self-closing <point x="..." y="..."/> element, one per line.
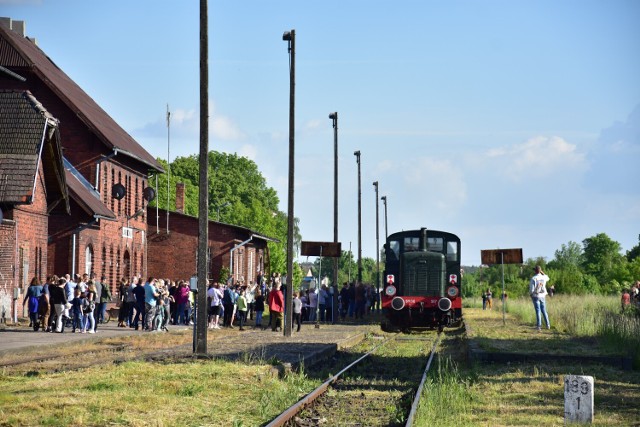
<point x="259" y="307"/>
<point x="243" y="307"/>
<point x="86" y="310"/>
<point x="76" y="309"/>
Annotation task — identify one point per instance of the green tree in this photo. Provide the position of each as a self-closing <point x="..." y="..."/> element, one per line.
<point x="238" y="192"/>
<point x="602" y="258"/>
<point x="568" y="255"/>
<point x="634" y="252"/>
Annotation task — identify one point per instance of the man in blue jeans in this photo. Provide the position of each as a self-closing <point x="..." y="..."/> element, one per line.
<point x="538" y="292"/>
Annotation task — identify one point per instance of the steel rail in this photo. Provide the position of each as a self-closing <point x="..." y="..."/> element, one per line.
<point x="297" y="407"/>
<point x="416" y="399"/>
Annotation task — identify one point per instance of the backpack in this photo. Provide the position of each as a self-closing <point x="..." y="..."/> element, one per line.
<point x="88" y="306"/>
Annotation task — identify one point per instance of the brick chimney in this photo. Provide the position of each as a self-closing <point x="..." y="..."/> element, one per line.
<point x="180" y="197"/>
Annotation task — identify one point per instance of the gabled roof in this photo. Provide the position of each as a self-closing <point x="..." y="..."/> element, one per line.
<point x="85" y="195"/>
<point x="28" y="135"/>
<point x="18" y="53"/>
<point x="252" y="233"/>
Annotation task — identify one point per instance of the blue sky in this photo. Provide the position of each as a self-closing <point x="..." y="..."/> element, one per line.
<point x="511" y="124"/>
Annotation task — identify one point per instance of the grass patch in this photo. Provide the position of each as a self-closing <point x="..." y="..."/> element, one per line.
<point x="522" y="395"/>
<point x="589" y="316"/>
<point x="142" y="393"/>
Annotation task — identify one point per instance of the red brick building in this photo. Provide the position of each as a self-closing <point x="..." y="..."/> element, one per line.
<point x="173" y="254"/>
<point x="103" y="234"/>
<point x="32" y="184"/>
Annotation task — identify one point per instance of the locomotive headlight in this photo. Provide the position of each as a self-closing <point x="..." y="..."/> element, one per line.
<point x="452" y="291"/>
<point x="444" y="304"/>
<point x="390" y="290"/>
<point x="397" y="303"/>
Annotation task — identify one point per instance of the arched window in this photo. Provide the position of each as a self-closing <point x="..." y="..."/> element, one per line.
<point x="250" y="270"/>
<point x="105" y="262"/>
<point x="113" y="181"/>
<point x="114" y="261"/>
<point x="88" y="260"/>
<point x="120" y="201"/>
<point x="126" y="261"/>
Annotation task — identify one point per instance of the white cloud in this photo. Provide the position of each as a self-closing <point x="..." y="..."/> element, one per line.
<point x="540" y="158"/>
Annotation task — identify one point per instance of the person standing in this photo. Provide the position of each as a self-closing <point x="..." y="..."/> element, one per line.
<point x="538" y="292"/>
<point x="276" y="308"/>
<point x="139" y="293"/>
<point x="313" y="304"/>
<point x="122" y="303"/>
<point x="214" y="294"/>
<point x="33" y="297"/>
<point x="259" y="307"/>
<point x="59" y="301"/>
<point x="97" y="311"/>
<point x="181" y="296"/>
<point x="92" y="296"/>
<point x="489" y="298"/>
<point x="625" y="301"/>
<point x="323" y="296"/>
<point x="297" y="310"/>
<point x="76" y="310"/>
<point x="243" y="307"/>
<point x="104" y="297"/>
<point x="229" y="302"/>
<point x="150" y="302"/>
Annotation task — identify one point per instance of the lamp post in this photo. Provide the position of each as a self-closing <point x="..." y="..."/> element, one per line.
<point x="357" y="154"/>
<point x="386" y="231"/>
<point x="334" y="117"/>
<point x="290" y="38"/>
<point x="375" y="184"/>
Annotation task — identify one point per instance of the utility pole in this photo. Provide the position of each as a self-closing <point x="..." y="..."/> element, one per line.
<point x="357" y="154"/>
<point x="200" y="346"/>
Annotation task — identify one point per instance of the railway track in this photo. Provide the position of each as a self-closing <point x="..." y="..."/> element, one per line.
<point x="380" y="388"/>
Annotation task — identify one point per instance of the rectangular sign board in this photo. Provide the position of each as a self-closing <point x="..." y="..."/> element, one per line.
<point x="499" y="256"/>
<point x="325" y="249"/>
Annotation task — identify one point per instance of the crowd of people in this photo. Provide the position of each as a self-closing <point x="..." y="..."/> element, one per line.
<point x="80" y="303"/>
<point x="631" y="297"/>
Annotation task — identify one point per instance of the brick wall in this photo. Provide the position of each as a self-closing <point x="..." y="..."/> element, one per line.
<point x="174" y="255"/>
<point x="8" y="260"/>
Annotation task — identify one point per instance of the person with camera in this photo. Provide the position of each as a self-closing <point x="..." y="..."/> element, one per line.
<point x="538" y="292"/>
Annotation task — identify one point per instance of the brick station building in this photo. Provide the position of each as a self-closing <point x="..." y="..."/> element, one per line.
<point x="173" y="253"/>
<point x="99" y="233"/>
<point x="71" y="222"/>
